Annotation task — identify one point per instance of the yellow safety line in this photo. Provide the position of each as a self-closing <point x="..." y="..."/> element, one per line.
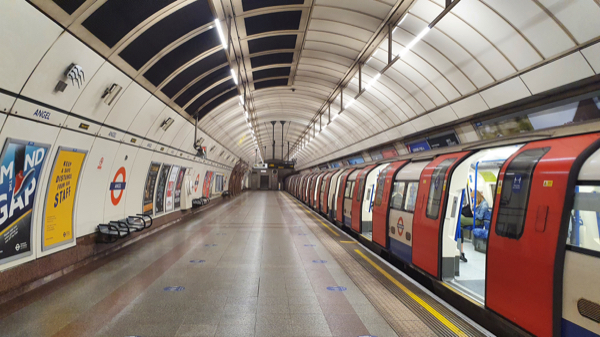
<point x="15" y="222"/>
<point x="417" y="299"/>
<point x="348" y="242"/>
<point x="314" y="216"/>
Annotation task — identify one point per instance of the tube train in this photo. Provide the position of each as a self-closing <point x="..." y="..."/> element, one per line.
<point x="533" y="258"/>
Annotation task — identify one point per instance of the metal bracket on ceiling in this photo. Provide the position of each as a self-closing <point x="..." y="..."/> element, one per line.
<point x="390" y="40"/>
<point x="360" y="66"/>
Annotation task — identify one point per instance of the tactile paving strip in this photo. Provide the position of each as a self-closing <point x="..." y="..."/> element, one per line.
<point x="404" y="314"/>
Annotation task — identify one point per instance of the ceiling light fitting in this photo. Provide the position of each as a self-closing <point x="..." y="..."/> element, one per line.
<point x="221" y="35"/>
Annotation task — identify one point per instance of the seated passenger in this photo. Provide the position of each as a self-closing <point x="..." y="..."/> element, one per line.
<point x="466" y="218"/>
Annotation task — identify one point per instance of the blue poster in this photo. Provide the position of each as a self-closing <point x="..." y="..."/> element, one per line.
<point x="418" y="146"/>
<point x="22" y="164"/>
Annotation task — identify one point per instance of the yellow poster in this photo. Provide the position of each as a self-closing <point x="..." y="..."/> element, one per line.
<point x="58" y="211"/>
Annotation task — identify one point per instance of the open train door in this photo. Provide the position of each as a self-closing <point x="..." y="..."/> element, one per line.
<point x="430" y="210"/>
<point x="527" y="238"/>
<point x="381" y="206"/>
<point x="357" y="198"/>
<point x="340" y="195"/>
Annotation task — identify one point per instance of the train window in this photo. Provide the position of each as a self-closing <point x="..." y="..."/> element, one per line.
<point x="397" y="195"/>
<point x="348" y="192"/>
<point x="438" y="182"/>
<point x="323" y="183"/>
<point x="514" y="194"/>
<point x="411" y="196"/>
<point x="381" y="185"/>
<point x="584" y="227"/>
<point x="361" y="187"/>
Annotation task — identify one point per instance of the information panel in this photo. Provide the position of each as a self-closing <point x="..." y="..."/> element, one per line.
<point x="22" y="163"/>
<point x="418" y="146"/>
<point x="159" y="205"/>
<point x="171" y="188"/>
<point x="57" y="227"/>
<point x="148" y="206"/>
<point x="178" y="188"/>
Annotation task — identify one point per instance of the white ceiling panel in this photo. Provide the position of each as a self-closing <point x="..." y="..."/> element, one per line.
<point x="469" y="106"/>
<point x="506" y="92"/>
<point x="592" y="55"/>
<point x="563" y="71"/>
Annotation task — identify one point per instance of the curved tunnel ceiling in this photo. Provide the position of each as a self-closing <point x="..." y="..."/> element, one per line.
<point x="292" y="57"/>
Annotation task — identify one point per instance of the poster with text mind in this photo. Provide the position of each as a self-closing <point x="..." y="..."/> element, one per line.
<point x="178" y="188"/>
<point x="57" y="226"/>
<point x="148" y="206"/>
<point x="22" y="164"/>
<point x="159" y="205"/>
<point x="171" y="188"/>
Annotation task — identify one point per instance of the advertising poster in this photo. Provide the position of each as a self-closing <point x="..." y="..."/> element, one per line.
<point x="178" y="188"/>
<point x="171" y="188"/>
<point x="57" y="226"/>
<point x="206" y="186"/>
<point x="22" y="164"/>
<point x="159" y="205"/>
<point x="418" y="146"/>
<point x="148" y="205"/>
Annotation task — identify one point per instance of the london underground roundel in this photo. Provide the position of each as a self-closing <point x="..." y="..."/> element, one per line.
<point x="197" y="182"/>
<point x="117" y="186"/>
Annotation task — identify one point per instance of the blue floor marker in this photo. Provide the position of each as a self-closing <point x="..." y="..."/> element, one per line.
<point x="302" y="234"/>
<point x="176" y="289"/>
<point x="310" y="245"/>
<point x="337" y="288"/>
<point x="209" y="245"/>
<point x="197" y="261"/>
<point x="319" y="261"/>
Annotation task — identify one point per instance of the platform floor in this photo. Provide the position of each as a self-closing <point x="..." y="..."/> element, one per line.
<point x="260" y="264"/>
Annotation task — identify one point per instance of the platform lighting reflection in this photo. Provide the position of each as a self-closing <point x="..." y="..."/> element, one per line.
<point x="414" y="41"/>
<point x="233" y="75"/>
<point x="221" y="35"/>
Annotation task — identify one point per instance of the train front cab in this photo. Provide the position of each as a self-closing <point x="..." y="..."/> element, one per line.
<point x="362" y="201"/>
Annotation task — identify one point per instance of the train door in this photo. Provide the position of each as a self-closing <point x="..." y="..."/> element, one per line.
<point x="349" y="193"/>
<point x="308" y="187"/>
<point x="340" y="195"/>
<point x="382" y="201"/>
<point x="580" y="297"/>
<point x="430" y="211"/>
<point x="315" y="201"/>
<point x="402" y="203"/>
<point x="526" y="244"/>
<point x="465" y="231"/>
<point x="366" y="213"/>
<point x="357" y="198"/>
<point x="332" y="195"/>
<point x="325" y="192"/>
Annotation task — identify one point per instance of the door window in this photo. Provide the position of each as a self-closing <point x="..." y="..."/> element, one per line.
<point x="361" y="188"/>
<point x="514" y="195"/>
<point x="380" y="186"/>
<point x="411" y="196"/>
<point x="584" y="227"/>
<point x="397" y="195"/>
<point x="436" y="190"/>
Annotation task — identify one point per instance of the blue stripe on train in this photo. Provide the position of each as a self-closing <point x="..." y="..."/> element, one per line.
<point x="570" y="329"/>
<point x="401" y="250"/>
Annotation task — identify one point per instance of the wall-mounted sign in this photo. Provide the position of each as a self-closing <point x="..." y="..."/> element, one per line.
<point x="171" y="188"/>
<point x="57" y="226"/>
<point x="356" y="160"/>
<point x="159" y="204"/>
<point x="443" y="140"/>
<point x="177" y="200"/>
<point x="22" y="163"/>
<point x="418" y="146"/>
<point x="148" y="206"/>
<point x="117" y="186"/>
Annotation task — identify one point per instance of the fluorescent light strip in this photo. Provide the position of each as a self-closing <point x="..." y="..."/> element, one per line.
<point x="241" y="99"/>
<point x="233" y="75"/>
<point x="373" y="81"/>
<point x="414" y="41"/>
<point x="221" y="35"/>
<point x="349" y="104"/>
